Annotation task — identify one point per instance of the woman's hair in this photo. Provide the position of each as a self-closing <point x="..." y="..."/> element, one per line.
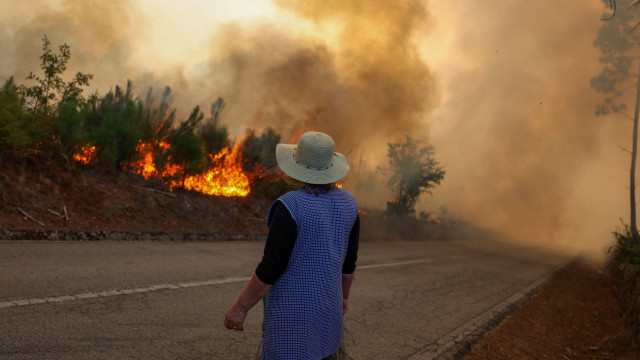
<point x="316" y="189"/>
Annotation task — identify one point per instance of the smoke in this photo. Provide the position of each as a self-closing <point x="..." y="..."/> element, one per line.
<point x="499" y="87"/>
<point x="100" y="35"/>
<point x="523" y="150"/>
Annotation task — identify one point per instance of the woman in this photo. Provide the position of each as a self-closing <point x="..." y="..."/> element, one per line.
<point x="308" y="266"/>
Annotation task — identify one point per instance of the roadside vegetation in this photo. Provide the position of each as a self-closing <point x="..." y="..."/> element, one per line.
<point x="51" y="120"/>
<point x="619" y="81"/>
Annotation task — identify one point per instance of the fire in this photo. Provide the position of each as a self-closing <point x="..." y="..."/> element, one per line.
<point x="224" y="177"/>
<point x="87" y="155"/>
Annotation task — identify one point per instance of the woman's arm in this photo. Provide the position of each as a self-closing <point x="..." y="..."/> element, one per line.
<point x="347" y="280"/>
<point x="252" y="293"/>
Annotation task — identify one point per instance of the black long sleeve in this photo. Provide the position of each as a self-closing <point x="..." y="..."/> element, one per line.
<point x="281" y="240"/>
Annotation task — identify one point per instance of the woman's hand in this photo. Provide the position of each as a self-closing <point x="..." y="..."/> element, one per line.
<point x="234" y="318"/>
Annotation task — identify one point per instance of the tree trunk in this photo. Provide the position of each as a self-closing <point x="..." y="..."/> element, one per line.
<point x="632" y="172"/>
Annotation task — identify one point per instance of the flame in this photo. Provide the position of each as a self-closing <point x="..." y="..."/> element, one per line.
<point x="87" y="155"/>
<point x="224" y="177"/>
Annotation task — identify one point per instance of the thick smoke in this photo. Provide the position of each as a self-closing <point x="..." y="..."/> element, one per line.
<point x="524" y="151"/>
<point x="100" y="34"/>
<point x="499" y="87"/>
<point x="366" y="86"/>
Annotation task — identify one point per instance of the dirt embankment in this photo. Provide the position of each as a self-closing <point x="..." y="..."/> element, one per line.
<point x="41" y="200"/>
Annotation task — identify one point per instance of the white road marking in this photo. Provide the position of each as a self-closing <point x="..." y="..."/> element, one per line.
<point x="109" y="293"/>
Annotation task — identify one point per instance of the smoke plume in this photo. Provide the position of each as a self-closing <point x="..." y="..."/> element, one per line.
<point x="499" y="87"/>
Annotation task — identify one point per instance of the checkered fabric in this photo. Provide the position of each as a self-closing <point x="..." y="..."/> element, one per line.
<point x="303" y="308"/>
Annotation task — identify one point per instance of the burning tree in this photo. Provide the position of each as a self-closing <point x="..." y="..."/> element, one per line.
<point x="413" y="172"/>
<point x="619" y="42"/>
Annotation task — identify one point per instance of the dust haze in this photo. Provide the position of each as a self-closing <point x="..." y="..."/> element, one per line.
<point x="500" y="88"/>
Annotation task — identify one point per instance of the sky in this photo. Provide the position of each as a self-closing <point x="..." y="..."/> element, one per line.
<point x="500" y="88"/>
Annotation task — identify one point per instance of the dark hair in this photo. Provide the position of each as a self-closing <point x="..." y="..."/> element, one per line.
<point x="316" y="189"/>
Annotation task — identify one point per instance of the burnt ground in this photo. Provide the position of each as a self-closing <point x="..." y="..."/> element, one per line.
<point x="574" y="316"/>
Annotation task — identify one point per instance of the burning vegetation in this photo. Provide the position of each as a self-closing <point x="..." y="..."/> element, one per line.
<point x="52" y="118"/>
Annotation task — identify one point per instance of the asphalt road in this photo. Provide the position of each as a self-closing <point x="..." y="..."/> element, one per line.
<point x="165" y="300"/>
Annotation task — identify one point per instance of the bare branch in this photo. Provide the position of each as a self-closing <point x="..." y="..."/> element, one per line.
<point x="156" y="191"/>
<point x="55" y="213"/>
<point x="612" y="5"/>
<point x="29" y="216"/>
<point x="624" y="149"/>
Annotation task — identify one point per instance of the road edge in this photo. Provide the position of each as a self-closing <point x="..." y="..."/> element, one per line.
<point x="460" y="340"/>
<point x="97" y="235"/>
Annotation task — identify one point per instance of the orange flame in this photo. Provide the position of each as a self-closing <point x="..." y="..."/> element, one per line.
<point x="225" y="176"/>
<point x="87" y="155"/>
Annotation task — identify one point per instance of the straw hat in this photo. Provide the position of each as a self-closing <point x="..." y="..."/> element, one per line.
<point x="312" y="160"/>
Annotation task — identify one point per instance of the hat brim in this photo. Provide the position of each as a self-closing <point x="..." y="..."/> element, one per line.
<point x="287" y="162"/>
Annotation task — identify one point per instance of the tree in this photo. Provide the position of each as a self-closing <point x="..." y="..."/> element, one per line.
<point x="260" y="151"/>
<point x="51" y="87"/>
<point x="414" y="171"/>
<point x="115" y="126"/>
<point x="186" y="148"/>
<point x="20" y="134"/>
<point x="214" y="136"/>
<point x="620" y="48"/>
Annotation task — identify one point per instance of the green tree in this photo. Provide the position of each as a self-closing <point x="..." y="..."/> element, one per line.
<point x="115" y="125"/>
<point x="20" y="134"/>
<point x="414" y="171"/>
<point x="186" y="145"/>
<point x="67" y="128"/>
<point x="51" y="90"/>
<point x="260" y="150"/>
<point x="214" y="136"/>
<point x="620" y="48"/>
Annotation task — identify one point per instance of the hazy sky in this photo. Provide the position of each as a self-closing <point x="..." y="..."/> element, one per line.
<point x="499" y="87"/>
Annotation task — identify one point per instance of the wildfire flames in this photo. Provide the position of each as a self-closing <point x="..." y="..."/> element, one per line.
<point x="224" y="177"/>
<point x="86" y="155"/>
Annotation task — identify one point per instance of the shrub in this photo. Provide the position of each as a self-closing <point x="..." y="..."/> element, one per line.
<point x="260" y="151"/>
<point x="67" y="128"/>
<point x="115" y="125"/>
<point x="627" y="247"/>
<point x="186" y="146"/>
<point x="21" y="132"/>
<point x="214" y="136"/>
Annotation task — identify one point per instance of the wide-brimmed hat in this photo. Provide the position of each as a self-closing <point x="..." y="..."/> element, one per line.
<point x="313" y="160"/>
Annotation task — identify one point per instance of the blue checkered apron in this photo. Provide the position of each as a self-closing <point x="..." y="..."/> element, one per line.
<point x="303" y="308"/>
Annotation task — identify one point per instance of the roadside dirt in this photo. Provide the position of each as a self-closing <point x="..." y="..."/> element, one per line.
<point x="574" y="316"/>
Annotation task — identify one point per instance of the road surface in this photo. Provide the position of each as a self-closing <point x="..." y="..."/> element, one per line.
<point x="166" y="300"/>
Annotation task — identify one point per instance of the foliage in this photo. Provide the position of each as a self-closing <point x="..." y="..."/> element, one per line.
<point x="259" y="159"/>
<point x="116" y="125"/>
<point x="46" y="116"/>
<point x="260" y="150"/>
<point x="51" y="88"/>
<point x="67" y="128"/>
<point x="414" y="171"/>
<point x="186" y="148"/>
<point x="627" y="248"/>
<point x="620" y="46"/>
<point x="19" y="133"/>
<point x="214" y="136"/>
